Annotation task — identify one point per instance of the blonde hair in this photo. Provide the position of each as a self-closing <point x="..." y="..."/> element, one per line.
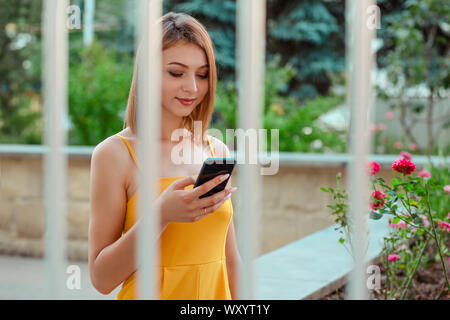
<point x="176" y="28"/>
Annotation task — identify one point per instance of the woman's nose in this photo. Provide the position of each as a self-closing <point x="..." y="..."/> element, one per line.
<point x="190" y="84"/>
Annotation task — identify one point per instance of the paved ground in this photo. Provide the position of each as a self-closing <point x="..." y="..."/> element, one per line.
<point x="24" y="278"/>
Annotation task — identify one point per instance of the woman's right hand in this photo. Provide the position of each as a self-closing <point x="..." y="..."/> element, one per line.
<point x="180" y="205"/>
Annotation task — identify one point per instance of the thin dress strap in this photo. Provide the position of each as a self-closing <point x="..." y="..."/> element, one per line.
<point x="133" y="155"/>
<point x="210" y="146"/>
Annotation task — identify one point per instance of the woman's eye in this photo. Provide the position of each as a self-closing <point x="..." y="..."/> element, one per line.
<point x="177" y="75"/>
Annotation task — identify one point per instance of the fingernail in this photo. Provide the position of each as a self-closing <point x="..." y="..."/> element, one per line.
<point x="227" y="197"/>
<point x="233" y="189"/>
<point x="224" y="177"/>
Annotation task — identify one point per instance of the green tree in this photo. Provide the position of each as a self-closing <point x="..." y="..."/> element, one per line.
<point x="19" y="71"/>
<point x="420" y="56"/>
<point x="99" y="83"/>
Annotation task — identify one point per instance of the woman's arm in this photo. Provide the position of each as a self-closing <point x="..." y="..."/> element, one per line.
<point x="112" y="257"/>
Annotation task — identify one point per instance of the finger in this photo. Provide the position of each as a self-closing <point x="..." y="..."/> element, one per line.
<point x="215" y="198"/>
<point x="180" y="184"/>
<point x="209" y="185"/>
<point x="204" y="212"/>
<point x="213" y="208"/>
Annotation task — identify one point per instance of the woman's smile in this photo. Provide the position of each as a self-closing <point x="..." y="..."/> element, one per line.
<point x="186" y="102"/>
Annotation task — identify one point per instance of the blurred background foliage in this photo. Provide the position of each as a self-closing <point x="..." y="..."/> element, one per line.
<point x="305" y="46"/>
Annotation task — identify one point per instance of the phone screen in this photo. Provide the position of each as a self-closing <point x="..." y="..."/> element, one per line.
<point x="213" y="167"/>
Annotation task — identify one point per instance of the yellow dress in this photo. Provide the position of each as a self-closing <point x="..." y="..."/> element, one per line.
<point x="193" y="265"/>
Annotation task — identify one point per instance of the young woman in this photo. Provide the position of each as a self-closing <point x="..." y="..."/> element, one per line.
<point x="199" y="256"/>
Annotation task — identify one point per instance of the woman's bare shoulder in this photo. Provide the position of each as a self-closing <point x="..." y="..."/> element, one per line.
<point x="111" y="151"/>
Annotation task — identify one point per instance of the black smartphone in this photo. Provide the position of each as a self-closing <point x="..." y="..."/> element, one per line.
<point x="213" y="167"/>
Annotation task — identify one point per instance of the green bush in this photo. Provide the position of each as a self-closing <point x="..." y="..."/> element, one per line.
<point x="99" y="82"/>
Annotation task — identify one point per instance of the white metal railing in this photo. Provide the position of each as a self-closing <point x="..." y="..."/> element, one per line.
<point x="55" y="39"/>
<point x="149" y="115"/>
<point x="288" y="159"/>
<point x="359" y="95"/>
<point x="251" y="16"/>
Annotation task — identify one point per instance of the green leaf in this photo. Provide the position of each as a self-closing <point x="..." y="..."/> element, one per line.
<point x="392" y="193"/>
<point x="341" y="240"/>
<point x="324" y="189"/>
<point x="375" y="215"/>
<point x="396" y="220"/>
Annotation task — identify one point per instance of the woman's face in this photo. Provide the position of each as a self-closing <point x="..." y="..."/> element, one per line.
<point x="185" y="76"/>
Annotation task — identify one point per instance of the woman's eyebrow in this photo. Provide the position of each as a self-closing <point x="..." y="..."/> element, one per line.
<point x="183" y="65"/>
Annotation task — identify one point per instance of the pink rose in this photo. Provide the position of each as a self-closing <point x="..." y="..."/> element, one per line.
<point x="447" y="189"/>
<point x="398" y="145"/>
<point x="399" y="225"/>
<point x="406" y="155"/>
<point x="448" y="215"/>
<point x="424" y="174"/>
<point x="413" y="147"/>
<point x="373" y="127"/>
<point x="393" y="257"/>
<point x="374" y="167"/>
<point x="381" y="127"/>
<point x="444" y="225"/>
<point x="390" y="115"/>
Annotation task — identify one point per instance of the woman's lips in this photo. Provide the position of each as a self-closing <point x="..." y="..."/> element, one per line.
<point x="186" y="102"/>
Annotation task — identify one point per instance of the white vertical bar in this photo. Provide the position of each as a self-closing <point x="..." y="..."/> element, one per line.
<point x="148" y="148"/>
<point x="251" y="16"/>
<point x="88" y="23"/>
<point x="55" y="166"/>
<point x="360" y="98"/>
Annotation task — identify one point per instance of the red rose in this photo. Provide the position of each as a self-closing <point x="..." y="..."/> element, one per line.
<point x="379" y="201"/>
<point x="404" y="166"/>
<point x="374" y="167"/>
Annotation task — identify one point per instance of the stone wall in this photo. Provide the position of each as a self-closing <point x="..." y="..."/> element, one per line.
<point x="293" y="205"/>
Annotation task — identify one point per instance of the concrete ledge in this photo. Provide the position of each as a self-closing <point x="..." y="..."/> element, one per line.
<point x="311" y="267"/>
<point x="285" y="158"/>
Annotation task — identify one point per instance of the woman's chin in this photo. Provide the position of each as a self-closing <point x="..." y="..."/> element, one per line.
<point x="183" y="111"/>
<point x="180" y="111"/>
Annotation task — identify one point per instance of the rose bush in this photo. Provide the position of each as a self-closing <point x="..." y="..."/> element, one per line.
<point x="419" y="208"/>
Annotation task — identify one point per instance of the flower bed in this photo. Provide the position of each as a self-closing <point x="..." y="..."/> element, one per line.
<point x="420" y="228"/>
<point x="427" y="284"/>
